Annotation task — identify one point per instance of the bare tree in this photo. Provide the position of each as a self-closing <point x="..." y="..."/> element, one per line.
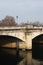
<point x="8" y="21"/>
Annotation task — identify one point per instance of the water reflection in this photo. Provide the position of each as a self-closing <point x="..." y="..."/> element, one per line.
<point x="14" y="57"/>
<point x="11" y="56"/>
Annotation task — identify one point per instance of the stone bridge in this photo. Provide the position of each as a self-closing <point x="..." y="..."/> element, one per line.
<point x="26" y="33"/>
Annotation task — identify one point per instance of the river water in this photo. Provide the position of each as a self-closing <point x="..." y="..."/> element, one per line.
<point x="14" y="57"/>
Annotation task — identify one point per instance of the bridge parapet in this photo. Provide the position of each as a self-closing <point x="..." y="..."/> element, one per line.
<point x="21" y="27"/>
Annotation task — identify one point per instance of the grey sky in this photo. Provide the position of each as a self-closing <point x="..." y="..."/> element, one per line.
<point x="31" y="10"/>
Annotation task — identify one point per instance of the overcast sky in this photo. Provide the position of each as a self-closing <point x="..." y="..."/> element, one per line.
<point x="26" y="10"/>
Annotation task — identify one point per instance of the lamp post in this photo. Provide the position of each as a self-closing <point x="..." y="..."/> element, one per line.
<point x="17" y="18"/>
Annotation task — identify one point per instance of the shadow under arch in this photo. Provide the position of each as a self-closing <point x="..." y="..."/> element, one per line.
<point x="6" y="39"/>
<point x="5" y="56"/>
<point x="37" y="47"/>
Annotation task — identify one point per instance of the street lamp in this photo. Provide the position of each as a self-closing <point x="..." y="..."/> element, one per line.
<point x="17" y="18"/>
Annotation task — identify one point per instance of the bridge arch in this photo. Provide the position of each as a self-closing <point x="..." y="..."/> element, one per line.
<point x="18" y="35"/>
<point x="38" y="39"/>
<point x="35" y="34"/>
<point x="9" y="41"/>
<point x="37" y="47"/>
<point x="10" y="37"/>
<point x="30" y="38"/>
